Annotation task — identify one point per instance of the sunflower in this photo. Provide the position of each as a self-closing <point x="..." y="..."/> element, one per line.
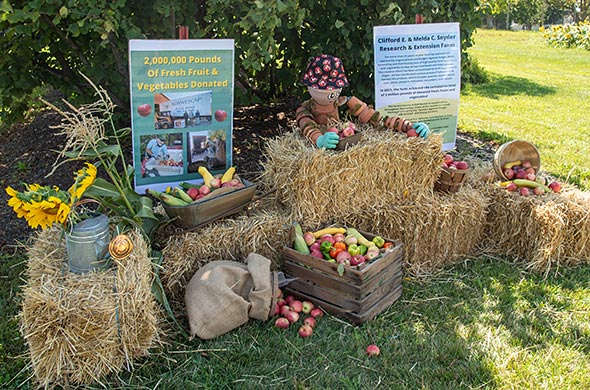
<point x="15" y="202"/>
<point x="46" y="212"/>
<point x="84" y="179"/>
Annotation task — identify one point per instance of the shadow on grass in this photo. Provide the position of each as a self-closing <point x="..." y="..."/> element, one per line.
<point x="487" y="307"/>
<point x="509" y="86"/>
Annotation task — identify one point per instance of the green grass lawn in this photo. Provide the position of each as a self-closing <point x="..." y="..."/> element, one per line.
<point x="482" y="324"/>
<point x="537" y="93"/>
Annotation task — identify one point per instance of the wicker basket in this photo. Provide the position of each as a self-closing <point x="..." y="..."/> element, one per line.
<point x="450" y="180"/>
<point x="516" y="150"/>
<point x="200" y="213"/>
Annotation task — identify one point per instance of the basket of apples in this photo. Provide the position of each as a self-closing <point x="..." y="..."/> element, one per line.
<point x="347" y="133"/>
<point x="452" y="175"/>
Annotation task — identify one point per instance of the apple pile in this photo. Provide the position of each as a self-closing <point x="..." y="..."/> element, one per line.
<point x="523" y="178"/>
<point x="344" y="130"/>
<point x="450" y="163"/>
<point x="197" y="192"/>
<point x="290" y="310"/>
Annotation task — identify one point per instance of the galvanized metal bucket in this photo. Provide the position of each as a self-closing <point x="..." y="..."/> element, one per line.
<point x="87" y="245"/>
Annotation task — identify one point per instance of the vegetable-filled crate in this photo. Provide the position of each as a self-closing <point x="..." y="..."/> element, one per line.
<point x="193" y="205"/>
<point x="357" y="293"/>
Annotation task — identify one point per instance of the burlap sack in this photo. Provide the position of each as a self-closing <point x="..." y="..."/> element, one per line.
<point x="223" y="295"/>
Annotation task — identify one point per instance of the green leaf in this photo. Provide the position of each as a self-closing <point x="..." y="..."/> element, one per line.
<point x="339" y="23"/>
<point x="5" y="6"/>
<point x="146" y="209"/>
<point x="63" y="11"/>
<point x="102" y="188"/>
<point x="341" y="269"/>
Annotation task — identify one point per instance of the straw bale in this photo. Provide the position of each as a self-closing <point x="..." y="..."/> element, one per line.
<point x="437" y="231"/>
<point x="319" y="185"/>
<point x="80" y="328"/>
<point x="543" y="232"/>
<point x="233" y="238"/>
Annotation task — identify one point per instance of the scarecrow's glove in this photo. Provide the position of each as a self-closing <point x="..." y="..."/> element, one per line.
<point x="328" y="140"/>
<point x="422" y="129"/>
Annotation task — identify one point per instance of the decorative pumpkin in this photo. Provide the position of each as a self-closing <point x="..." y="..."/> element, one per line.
<point x="120" y="247"/>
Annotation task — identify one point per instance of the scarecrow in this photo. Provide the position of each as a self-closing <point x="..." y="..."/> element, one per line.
<point x="325" y="78"/>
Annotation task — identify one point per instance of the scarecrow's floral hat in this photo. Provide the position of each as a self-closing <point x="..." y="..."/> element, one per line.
<point x="325" y="72"/>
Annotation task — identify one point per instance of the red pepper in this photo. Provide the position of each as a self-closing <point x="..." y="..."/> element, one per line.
<point x="334" y="252"/>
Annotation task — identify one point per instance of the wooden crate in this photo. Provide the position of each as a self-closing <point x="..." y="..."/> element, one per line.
<point x="359" y="295"/>
<point x="198" y="214"/>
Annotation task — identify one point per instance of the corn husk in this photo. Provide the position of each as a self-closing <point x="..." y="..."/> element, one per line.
<point x="80" y="328"/>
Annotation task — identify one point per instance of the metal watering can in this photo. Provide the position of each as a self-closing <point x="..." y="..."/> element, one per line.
<point x="87" y="244"/>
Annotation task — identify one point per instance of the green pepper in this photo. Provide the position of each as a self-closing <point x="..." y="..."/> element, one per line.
<point x="325" y="249"/>
<point x="354" y="249"/>
<point x="379" y="241"/>
<point x="362" y="249"/>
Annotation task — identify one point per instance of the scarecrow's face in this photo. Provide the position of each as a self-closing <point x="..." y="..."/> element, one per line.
<point x="324" y="97"/>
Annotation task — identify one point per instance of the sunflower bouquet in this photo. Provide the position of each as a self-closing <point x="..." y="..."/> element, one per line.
<point x="91" y="136"/>
<point x="44" y="206"/>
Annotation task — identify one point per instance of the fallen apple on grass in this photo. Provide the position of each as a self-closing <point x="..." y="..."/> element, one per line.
<point x="282" y="323"/>
<point x="373" y="350"/>
<point x="305" y="331"/>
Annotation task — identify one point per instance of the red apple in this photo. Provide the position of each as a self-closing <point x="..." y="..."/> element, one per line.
<point x="530" y="170"/>
<point x="215" y="182"/>
<point x="316" y="312"/>
<point x="526" y="164"/>
<point x="277" y="310"/>
<point x="448" y="159"/>
<point x="332" y="129"/>
<point x="292" y="316"/>
<point x="412" y="133"/>
<point x="307" y="307"/>
<point x="193" y="192"/>
<point x="520" y="175"/>
<point x="144" y="109"/>
<point x="281" y="302"/>
<point x="524" y="191"/>
<point x="511" y="187"/>
<point x="508" y="173"/>
<point x="530" y="176"/>
<point x="373" y="350"/>
<point x="289" y="299"/>
<point x="338" y="237"/>
<point x="357" y="260"/>
<point x="347" y="132"/>
<point x="282" y="323"/>
<point x="204" y="190"/>
<point x="309" y="321"/>
<point x="309" y="239"/>
<point x="343" y="258"/>
<point x="462" y="165"/>
<point x="305" y="331"/>
<point x="315" y="246"/>
<point x="296" y="306"/>
<point x="285" y="309"/>
<point x="220" y="115"/>
<point x="555" y="186"/>
<point x="317" y="254"/>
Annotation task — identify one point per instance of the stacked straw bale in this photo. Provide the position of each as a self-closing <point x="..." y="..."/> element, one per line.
<point x="80" y="328"/>
<point x="436" y="232"/>
<point x="383" y="185"/>
<point x="232" y="238"/>
<point x="543" y="232"/>
<point x="319" y="185"/>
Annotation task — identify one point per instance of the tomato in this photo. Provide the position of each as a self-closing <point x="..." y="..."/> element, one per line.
<point x="387" y="245"/>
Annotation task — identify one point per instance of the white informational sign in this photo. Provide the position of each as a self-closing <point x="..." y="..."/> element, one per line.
<point x="418" y="75"/>
<point x="181" y="109"/>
